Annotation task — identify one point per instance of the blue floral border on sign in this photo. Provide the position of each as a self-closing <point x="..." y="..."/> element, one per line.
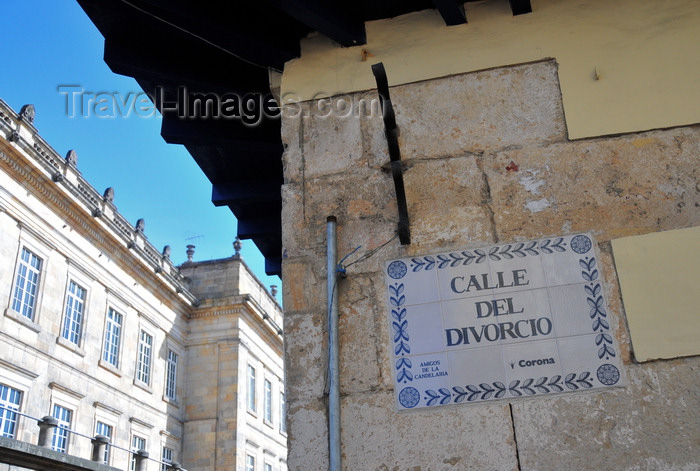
<point x="517" y="388"/>
<point x="595" y="300"/>
<point x="399" y="325"/>
<point x="467" y="257"/>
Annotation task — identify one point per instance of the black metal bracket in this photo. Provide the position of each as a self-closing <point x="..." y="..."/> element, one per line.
<point x="392" y="137"/>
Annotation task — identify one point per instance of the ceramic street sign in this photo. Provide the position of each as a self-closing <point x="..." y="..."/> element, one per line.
<point x="501" y="322"/>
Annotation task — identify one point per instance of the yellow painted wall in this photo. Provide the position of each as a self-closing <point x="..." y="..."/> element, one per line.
<point x="645" y="53"/>
<point x="659" y="276"/>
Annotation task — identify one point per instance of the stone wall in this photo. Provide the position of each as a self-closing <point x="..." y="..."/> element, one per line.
<point x="486" y="160"/>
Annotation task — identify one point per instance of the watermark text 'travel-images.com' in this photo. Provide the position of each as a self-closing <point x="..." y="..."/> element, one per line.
<point x="250" y="108"/>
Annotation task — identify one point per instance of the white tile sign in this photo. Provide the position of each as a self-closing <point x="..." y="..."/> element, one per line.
<point x="500" y="322"/>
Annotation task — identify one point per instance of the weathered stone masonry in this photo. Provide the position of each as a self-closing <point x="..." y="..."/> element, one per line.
<point x="486" y="160"/>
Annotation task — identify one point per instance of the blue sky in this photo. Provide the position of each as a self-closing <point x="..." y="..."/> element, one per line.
<point x="46" y="44"/>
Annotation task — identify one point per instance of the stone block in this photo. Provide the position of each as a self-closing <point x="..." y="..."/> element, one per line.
<point x="623" y="429"/>
<point x="306" y="354"/>
<point x="366" y="199"/>
<point x="303" y="286"/>
<point x="361" y="330"/>
<point x="200" y="455"/>
<point x="362" y="126"/>
<point x="623" y="186"/>
<point x="490" y="109"/>
<point x="292" y="138"/>
<point x="446" y="200"/>
<point x="332" y="141"/>
<point x="374" y="142"/>
<point x="459" y="438"/>
<point x="307" y="435"/>
<point x="303" y="229"/>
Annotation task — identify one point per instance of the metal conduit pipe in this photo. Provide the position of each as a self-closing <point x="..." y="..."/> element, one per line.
<point x="333" y="364"/>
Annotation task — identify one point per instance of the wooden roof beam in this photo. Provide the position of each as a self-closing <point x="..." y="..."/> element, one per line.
<point x="153" y="62"/>
<point x="240" y="40"/>
<point x="233" y="193"/>
<point x="252" y="228"/>
<point x="520" y="7"/>
<point x="193" y="131"/>
<point x="452" y="11"/>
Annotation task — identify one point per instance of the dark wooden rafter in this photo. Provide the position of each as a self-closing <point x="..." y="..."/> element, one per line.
<point x="520" y="7"/>
<point x="235" y="36"/>
<point x="261" y="221"/>
<point x="249" y="228"/>
<point x="257" y="205"/>
<point x="337" y="20"/>
<point x="452" y="11"/>
<point x="196" y="118"/>
<point x="392" y="137"/>
<point x="165" y="64"/>
<point x="220" y="166"/>
<point x="176" y="130"/>
<point x="229" y="193"/>
<point x="273" y="264"/>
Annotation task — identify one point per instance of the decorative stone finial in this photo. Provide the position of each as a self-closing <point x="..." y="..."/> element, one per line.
<point x="190" y="252"/>
<point x="166" y="251"/>
<point x="109" y="194"/>
<point x="140" y="225"/>
<point x="72" y="158"/>
<point x="237" y="246"/>
<point x="27" y="113"/>
<point x="273" y="290"/>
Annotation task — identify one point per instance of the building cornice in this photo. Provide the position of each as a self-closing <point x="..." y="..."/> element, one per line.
<point x="66" y="390"/>
<point x="18" y="369"/>
<point x="208" y="312"/>
<point x="242" y="304"/>
<point x="58" y="182"/>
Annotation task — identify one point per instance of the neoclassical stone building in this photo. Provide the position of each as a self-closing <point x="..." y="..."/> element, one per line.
<point x="102" y="335"/>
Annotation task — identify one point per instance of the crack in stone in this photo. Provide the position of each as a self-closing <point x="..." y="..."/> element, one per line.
<point x="303" y="166"/>
<point x="486" y="196"/>
<point x="515" y="438"/>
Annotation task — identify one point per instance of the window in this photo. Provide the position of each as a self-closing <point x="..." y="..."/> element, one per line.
<point x="268" y="401"/>
<point x="249" y="463"/>
<point x="251" y="388"/>
<point x="171" y="376"/>
<point x="268" y="467"/>
<point x="283" y="413"/>
<point x="103" y="429"/>
<point x="75" y="305"/>
<point x="113" y="333"/>
<point x="26" y="284"/>
<point x="10" y="399"/>
<point x="137" y="443"/>
<point x="166" y="458"/>
<point x="143" y="364"/>
<point x="60" y="433"/>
